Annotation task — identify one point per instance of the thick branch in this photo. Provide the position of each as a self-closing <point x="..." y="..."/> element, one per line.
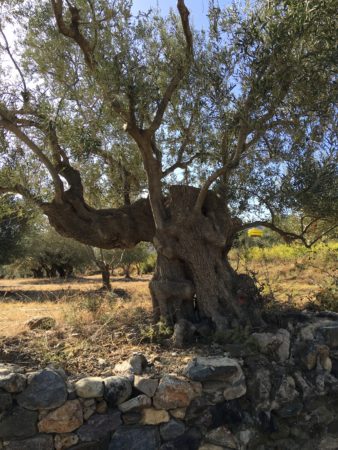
<point x="184" y="14"/>
<point x="231" y="164"/>
<point x="73" y="30"/>
<point x="106" y="228"/>
<point x="180" y="70"/>
<point x="179" y="164"/>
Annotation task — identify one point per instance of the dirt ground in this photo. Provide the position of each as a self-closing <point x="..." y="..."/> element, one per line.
<point x="95" y="330"/>
<point x="24" y="298"/>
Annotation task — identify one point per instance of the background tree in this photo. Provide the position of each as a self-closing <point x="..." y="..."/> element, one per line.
<point x="239" y="110"/>
<point x="134" y="258"/>
<point x="106" y="261"/>
<point x="13" y="226"/>
<point x="45" y="253"/>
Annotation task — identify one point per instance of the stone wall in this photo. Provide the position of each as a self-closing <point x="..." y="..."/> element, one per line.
<point x="278" y="390"/>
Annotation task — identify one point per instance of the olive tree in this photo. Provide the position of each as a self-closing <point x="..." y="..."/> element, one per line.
<point x="203" y="133"/>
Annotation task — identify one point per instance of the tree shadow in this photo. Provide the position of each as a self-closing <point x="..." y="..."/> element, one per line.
<point x="41" y="296"/>
<point x="62" y="281"/>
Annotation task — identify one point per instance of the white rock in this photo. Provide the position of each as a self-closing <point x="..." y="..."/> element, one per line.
<point x="89" y="387"/>
<point x="146" y="385"/>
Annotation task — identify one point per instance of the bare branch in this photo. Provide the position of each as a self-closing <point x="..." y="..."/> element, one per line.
<point x="184" y="13"/>
<point x="73" y="30"/>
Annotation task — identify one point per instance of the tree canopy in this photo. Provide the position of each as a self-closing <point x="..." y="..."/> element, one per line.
<point x="127" y="127"/>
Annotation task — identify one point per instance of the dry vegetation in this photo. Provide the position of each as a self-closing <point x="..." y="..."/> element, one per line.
<point x="95" y="330"/>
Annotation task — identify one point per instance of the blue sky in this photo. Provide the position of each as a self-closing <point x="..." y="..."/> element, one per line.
<point x="198" y="8"/>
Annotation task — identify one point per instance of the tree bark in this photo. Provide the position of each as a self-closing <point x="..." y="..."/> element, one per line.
<point x="105" y="273"/>
<point x="126" y="270"/>
<point x="193" y="280"/>
<point x="104" y="228"/>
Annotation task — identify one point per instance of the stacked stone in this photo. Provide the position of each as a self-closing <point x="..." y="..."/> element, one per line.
<point x="278" y="390"/>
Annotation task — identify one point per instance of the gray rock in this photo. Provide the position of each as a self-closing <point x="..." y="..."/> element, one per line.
<point x="329" y="443"/>
<point x="285" y="390"/>
<point x="132" y="418"/>
<point x="274" y="344"/>
<point x="65" y="440"/>
<point x="311" y="353"/>
<point x="89" y="387"/>
<point x="245" y="436"/>
<point x="199" y="413"/>
<point x="333" y="426"/>
<point x="117" y="390"/>
<point x="99" y="426"/>
<point x="5" y="401"/>
<point x="259" y="386"/>
<point x="95" y="445"/>
<point x="39" y="442"/>
<point x="172" y="429"/>
<point x="213" y="369"/>
<point x="173" y="392"/>
<point x="235" y="390"/>
<point x="290" y="409"/>
<point x="334" y="357"/>
<point x="13" y="382"/>
<point x="281" y="430"/>
<point x="146" y="385"/>
<point x="136" y="403"/>
<point x="321" y="415"/>
<point x="135" y="365"/>
<point x="222" y="436"/>
<point x="330" y="333"/>
<point x="218" y="374"/>
<point x="287" y="444"/>
<point x="190" y="440"/>
<point x="18" y="423"/>
<point x="136" y="438"/>
<point x="302" y="385"/>
<point x="47" y="390"/>
<point x="6" y="368"/>
<point x="208" y="446"/>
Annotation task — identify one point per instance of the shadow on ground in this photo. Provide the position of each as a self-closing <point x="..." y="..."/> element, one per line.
<point x="43" y="296"/>
<point x="61" y="281"/>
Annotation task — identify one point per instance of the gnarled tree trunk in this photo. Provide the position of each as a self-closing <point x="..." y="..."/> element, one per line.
<point x="193" y="279"/>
